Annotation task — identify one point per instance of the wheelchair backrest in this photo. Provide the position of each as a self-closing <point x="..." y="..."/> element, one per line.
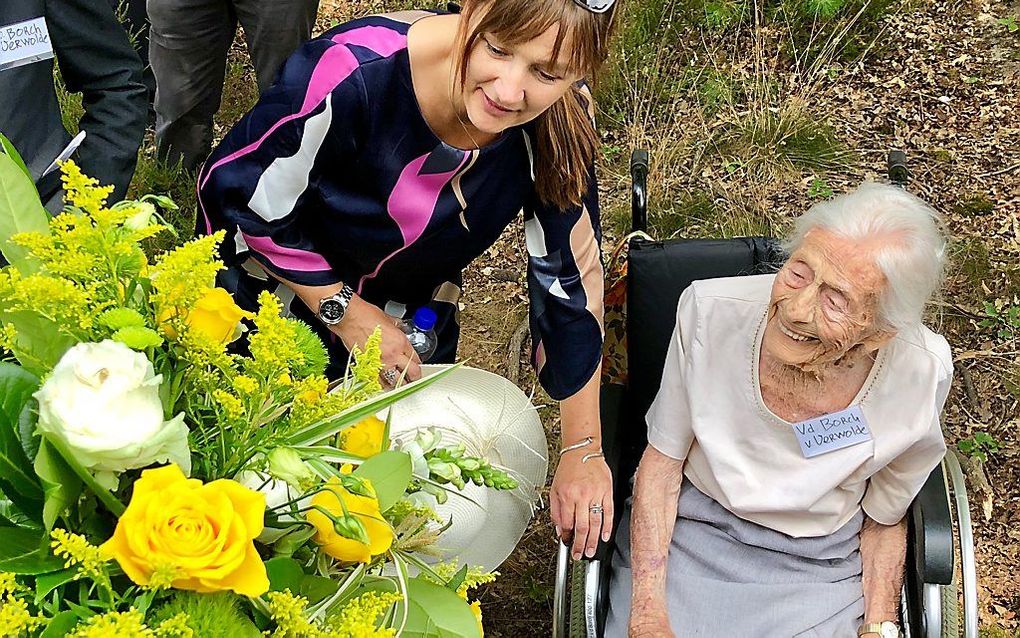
<point x="657" y="272"/>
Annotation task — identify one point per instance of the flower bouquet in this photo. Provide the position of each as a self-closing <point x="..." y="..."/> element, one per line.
<point x="155" y="483"/>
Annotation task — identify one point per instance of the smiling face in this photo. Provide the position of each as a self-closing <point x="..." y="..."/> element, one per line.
<point x="507" y="84"/>
<point x="825" y="303"/>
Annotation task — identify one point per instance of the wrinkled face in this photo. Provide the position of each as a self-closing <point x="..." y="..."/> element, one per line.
<point x="825" y="302"/>
<point x="508" y="85"/>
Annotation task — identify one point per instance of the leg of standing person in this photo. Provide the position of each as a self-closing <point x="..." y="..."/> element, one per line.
<point x="188" y="44"/>
<point x="273" y="31"/>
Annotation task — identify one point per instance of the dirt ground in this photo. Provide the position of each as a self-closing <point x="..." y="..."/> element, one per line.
<point x="945" y="88"/>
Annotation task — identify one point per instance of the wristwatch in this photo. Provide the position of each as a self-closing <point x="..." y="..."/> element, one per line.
<point x="887" y="629"/>
<point x="333" y="308"/>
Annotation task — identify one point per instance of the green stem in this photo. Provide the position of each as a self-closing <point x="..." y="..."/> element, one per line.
<point x="103" y="494"/>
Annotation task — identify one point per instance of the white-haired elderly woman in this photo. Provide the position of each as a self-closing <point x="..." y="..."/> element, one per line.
<point x="797" y="419"/>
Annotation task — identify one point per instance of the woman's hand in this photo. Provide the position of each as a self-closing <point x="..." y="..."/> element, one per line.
<point x="576" y="489"/>
<point x="360" y="321"/>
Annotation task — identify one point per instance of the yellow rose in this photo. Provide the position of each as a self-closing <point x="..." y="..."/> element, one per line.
<point x="364" y="438"/>
<point x="476" y="609"/>
<point x="216" y="316"/>
<point x="202" y="532"/>
<point x="363" y="508"/>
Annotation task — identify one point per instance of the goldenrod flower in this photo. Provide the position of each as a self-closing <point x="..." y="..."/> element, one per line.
<point x="364" y="509"/>
<point x="77" y="551"/>
<point x="16" y="620"/>
<point x="123" y="624"/>
<point x="359" y="616"/>
<point x="206" y="531"/>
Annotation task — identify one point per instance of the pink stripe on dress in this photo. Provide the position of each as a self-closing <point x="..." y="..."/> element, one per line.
<point x="284" y="257"/>
<point x="412" y="203"/>
<point x="335" y="66"/>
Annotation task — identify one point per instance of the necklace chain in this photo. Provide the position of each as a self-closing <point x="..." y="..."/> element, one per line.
<point x="462" y="124"/>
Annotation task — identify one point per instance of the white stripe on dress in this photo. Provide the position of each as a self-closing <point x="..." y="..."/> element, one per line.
<point x="287" y="177"/>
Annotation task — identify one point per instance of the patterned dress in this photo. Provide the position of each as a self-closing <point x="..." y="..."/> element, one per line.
<point x="336" y="176"/>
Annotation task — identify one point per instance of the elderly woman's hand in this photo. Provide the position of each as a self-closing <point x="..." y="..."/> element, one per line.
<point x="581" y="500"/>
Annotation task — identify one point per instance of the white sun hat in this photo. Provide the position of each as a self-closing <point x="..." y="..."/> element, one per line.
<point x="493" y="419"/>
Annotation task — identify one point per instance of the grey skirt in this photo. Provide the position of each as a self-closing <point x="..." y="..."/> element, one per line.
<point x="730" y="577"/>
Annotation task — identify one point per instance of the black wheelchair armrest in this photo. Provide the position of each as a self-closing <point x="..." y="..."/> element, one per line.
<point x="611" y="407"/>
<point x="931" y="528"/>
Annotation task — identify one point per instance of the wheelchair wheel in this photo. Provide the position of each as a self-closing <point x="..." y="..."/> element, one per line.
<point x="950" y="611"/>
<point x="578" y="626"/>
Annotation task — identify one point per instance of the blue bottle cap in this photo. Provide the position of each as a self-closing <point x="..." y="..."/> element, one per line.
<point x="424" y="319"/>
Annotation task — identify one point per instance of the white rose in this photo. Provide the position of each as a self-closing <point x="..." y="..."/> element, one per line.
<point x="277" y="494"/>
<point x="102" y="401"/>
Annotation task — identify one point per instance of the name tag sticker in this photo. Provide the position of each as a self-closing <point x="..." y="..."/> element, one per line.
<point x="24" y="43"/>
<point x="831" y="432"/>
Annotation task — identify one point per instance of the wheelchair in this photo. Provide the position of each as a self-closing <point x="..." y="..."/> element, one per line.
<point x="657" y="272"/>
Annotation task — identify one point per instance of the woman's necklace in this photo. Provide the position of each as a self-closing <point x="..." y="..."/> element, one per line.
<point x="462" y="124"/>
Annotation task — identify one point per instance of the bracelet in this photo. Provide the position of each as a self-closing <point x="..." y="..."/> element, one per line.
<point x="591" y="455"/>
<point x="585" y="442"/>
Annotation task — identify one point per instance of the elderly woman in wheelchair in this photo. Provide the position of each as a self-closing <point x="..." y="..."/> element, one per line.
<point x="797" y="418"/>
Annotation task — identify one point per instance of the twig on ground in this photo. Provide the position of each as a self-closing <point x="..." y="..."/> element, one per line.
<point x="513" y="363"/>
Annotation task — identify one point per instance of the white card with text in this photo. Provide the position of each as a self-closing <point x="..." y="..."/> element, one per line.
<point x="24" y="43"/>
<point x="831" y="432"/>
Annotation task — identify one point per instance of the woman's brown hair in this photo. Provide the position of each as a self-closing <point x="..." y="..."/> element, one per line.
<point x="567" y="141"/>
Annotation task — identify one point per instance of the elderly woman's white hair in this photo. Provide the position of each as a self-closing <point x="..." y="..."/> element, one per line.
<point x="913" y="247"/>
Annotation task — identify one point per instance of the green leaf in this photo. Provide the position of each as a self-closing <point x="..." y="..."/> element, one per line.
<point x="39" y="344"/>
<point x="316" y="432"/>
<point x="60" y="625"/>
<point x="7" y="146"/>
<point x="284" y="573"/>
<point x="46" y="583"/>
<point x="26" y="551"/>
<point x="433" y="611"/>
<point x="20" y="482"/>
<point x="20" y="212"/>
<point x="105" y="497"/>
<point x="317" y="588"/>
<point x="60" y="484"/>
<point x="390" y="473"/>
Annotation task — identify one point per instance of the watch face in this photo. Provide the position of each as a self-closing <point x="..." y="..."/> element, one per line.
<point x="331" y="311"/>
<point x="890" y="630"/>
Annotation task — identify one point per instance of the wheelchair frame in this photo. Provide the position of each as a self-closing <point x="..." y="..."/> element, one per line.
<point x="929" y="601"/>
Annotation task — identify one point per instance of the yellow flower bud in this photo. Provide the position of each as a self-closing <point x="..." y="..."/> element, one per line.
<point x="364" y="438"/>
<point x="364" y="508"/>
<point x="216" y="316"/>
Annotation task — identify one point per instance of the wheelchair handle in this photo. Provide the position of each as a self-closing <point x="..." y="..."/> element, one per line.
<point x="639" y="190"/>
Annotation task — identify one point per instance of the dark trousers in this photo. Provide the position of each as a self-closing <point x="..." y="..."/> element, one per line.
<point x="188" y="45"/>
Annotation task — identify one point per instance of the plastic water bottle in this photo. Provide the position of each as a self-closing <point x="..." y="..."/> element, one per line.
<point x="420" y="331"/>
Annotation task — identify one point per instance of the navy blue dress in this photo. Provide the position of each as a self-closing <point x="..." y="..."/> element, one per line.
<point x="335" y="176"/>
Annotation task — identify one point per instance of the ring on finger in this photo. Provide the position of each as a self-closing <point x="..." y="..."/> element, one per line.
<point x="595" y="508"/>
<point x="390" y="375"/>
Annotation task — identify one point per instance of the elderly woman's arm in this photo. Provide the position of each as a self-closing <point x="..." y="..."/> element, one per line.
<point x="883" y="554"/>
<point x="653" y="516"/>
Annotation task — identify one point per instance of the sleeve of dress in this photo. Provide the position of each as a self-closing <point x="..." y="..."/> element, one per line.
<point x="565" y="287"/>
<point x="260" y="184"/>
<point x="892" y="489"/>
<point x="669" y="417"/>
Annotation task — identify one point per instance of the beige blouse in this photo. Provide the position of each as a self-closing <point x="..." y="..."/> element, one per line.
<point x="709" y="412"/>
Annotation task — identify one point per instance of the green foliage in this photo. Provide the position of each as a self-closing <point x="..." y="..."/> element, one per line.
<point x="219" y="615"/>
<point x="1002" y="318"/>
<point x="390" y="473"/>
<point x="26" y="551"/>
<point x="979" y="446"/>
<point x="819" y="189"/>
<point x="452" y="465"/>
<point x="20" y="210"/>
<point x="17" y="478"/>
<point x="1009" y="23"/>
<point x="315" y="357"/>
